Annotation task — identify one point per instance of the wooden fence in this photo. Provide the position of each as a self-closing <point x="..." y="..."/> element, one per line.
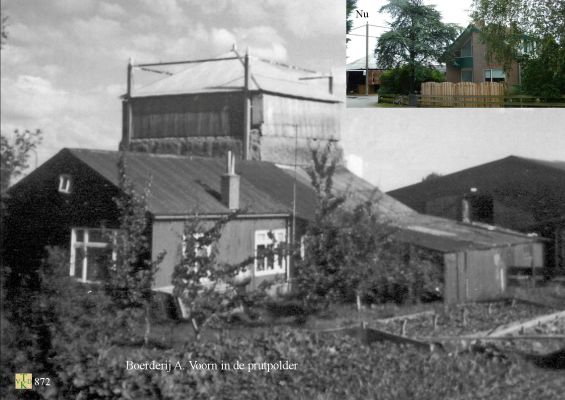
<point x="462" y="94"/>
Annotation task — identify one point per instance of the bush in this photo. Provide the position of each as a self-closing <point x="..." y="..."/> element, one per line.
<point x="397" y="80"/>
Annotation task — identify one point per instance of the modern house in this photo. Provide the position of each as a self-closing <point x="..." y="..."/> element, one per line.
<point x="356" y="73"/>
<point x="256" y="108"/>
<point x="517" y="193"/>
<point x="470" y="63"/>
<point x="69" y="202"/>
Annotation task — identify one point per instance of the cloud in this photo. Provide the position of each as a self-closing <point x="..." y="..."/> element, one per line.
<point x="112" y="10"/>
<point x="30" y="97"/>
<point x="314" y="18"/>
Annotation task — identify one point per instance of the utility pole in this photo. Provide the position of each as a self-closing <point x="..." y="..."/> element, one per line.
<point x="367" y="59"/>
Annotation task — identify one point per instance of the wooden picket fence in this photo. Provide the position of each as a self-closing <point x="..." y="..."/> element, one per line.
<point x="462" y="94"/>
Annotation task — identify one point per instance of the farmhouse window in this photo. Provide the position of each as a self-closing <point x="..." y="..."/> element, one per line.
<point x="269" y="252"/>
<point x="65" y="183"/>
<point x="92" y="253"/>
<point x="494" y="75"/>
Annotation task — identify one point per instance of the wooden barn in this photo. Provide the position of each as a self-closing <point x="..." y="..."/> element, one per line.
<point x="256" y="108"/>
<point x="517" y="193"/>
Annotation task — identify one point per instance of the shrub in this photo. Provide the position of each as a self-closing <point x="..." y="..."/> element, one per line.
<point x="397" y="80"/>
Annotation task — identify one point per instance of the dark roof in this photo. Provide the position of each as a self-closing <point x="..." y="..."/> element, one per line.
<point x="560" y="165"/>
<point x="227" y="75"/>
<point x="451" y="236"/>
<point x="533" y="189"/>
<point x="462" y="38"/>
<point x="184" y="185"/>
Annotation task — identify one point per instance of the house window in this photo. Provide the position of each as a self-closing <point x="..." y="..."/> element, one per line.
<point x="466" y="75"/>
<point x="269" y="252"/>
<point x="494" y="75"/>
<point x="92" y="253"/>
<point x="65" y="183"/>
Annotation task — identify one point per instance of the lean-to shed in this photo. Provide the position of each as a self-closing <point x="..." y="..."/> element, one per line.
<point x="256" y="108"/>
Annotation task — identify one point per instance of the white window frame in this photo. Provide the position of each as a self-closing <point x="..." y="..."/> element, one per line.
<point x="65" y="183"/>
<point x="490" y="70"/>
<point x="85" y="244"/>
<point x="262" y="239"/>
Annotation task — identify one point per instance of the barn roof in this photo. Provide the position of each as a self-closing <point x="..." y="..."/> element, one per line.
<point x="359" y="64"/>
<point x="537" y="186"/>
<point x="227" y="75"/>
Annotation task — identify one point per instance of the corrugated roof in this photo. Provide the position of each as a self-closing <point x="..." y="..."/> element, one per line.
<point x="182" y="185"/>
<point x="228" y="76"/>
<point x="451" y="236"/>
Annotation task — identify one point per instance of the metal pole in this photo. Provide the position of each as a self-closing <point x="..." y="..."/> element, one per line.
<point x="367" y="59"/>
<point x="129" y="129"/>
<point x="294" y="196"/>
<point x="246" y="106"/>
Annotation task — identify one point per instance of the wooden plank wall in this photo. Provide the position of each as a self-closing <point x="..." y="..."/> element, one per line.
<point x="204" y="115"/>
<point x="237" y="243"/>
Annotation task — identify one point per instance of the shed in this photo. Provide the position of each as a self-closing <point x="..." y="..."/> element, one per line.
<point x="256" y="108"/>
<point x="518" y="193"/>
<point x="356" y="72"/>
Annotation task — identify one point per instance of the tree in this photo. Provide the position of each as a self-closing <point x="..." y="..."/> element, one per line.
<point x="3" y="30"/>
<point x="508" y="25"/>
<point x="350" y="6"/>
<point x="431" y="176"/>
<point x="211" y="291"/>
<point x="15" y="153"/>
<point x="133" y="271"/>
<point x="417" y="37"/>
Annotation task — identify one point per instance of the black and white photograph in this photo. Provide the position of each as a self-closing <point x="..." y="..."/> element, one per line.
<point x="265" y="199"/>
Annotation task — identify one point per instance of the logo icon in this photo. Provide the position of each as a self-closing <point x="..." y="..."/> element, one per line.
<point x="24" y="381"/>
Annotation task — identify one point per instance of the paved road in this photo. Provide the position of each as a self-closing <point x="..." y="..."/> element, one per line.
<point x="362" y="101"/>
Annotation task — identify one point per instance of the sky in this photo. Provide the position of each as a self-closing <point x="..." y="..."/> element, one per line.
<point x="64" y="68"/>
<point x="452" y="11"/>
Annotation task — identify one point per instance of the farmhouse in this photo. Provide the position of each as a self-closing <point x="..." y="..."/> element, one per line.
<point x="255" y="108"/>
<point x="69" y="199"/>
<point x="517" y="193"/>
<point x="470" y="63"/>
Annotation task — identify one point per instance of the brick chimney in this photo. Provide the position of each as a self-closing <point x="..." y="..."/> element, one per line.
<point x="230" y="185"/>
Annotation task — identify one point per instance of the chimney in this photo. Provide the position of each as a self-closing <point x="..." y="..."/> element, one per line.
<point x="466" y="206"/>
<point x="230" y="185"/>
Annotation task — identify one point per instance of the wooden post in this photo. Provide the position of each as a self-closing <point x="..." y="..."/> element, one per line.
<point x="435" y="319"/>
<point x="331" y="83"/>
<point x="358" y="298"/>
<point x="490" y="308"/>
<point x="367" y="59"/>
<point x="403" y="331"/>
<point x="464" y="316"/>
<point x="246" y="106"/>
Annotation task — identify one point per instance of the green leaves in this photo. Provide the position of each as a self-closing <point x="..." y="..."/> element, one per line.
<point x="417" y="37"/>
